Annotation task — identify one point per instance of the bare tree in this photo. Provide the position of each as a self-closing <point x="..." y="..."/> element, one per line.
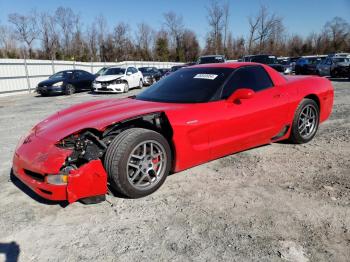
<point x="122" y="42"/>
<point x="266" y="29"/>
<point x="190" y="46"/>
<point x="67" y="20"/>
<point x="144" y="36"/>
<point x="48" y="35"/>
<point x="26" y="29"/>
<point x="102" y="31"/>
<point x="338" y="31"/>
<point x="92" y="41"/>
<point x="8" y="45"/>
<point x="216" y="21"/>
<point x="174" y="24"/>
<point x="226" y="10"/>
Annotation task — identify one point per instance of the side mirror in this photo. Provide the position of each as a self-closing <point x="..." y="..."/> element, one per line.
<point x="128" y="73"/>
<point x="242" y="93"/>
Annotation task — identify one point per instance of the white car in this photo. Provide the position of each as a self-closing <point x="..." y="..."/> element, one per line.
<point x="118" y="80"/>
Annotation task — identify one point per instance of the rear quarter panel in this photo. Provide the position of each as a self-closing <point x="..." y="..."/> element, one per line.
<point x="298" y="88"/>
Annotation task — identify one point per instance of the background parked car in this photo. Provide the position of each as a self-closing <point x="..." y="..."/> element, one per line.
<point x="66" y="82"/>
<point x="163" y="71"/>
<point x="150" y="75"/>
<point x="335" y="66"/>
<point x="210" y="59"/>
<point x="118" y="80"/>
<point x="173" y="69"/>
<point x="269" y="60"/>
<point x="308" y="65"/>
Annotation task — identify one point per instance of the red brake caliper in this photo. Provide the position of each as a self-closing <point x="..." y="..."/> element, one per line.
<point x="155" y="161"/>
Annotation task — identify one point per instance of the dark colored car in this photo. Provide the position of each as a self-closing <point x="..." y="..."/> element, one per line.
<point x="334" y="67"/>
<point x="269" y="60"/>
<point x="66" y="82"/>
<point x="163" y="71"/>
<point x="150" y="75"/>
<point x="211" y="59"/>
<point x="307" y="65"/>
<point x="174" y="69"/>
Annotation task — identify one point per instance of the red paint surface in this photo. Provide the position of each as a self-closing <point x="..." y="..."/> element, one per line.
<point x="201" y="132"/>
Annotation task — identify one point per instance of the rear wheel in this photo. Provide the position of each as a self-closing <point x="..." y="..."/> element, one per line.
<point x="140" y="84"/>
<point x="70" y="89"/>
<point x="305" y="122"/>
<point x="137" y="162"/>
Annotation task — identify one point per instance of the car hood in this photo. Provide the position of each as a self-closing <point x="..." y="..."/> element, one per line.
<point x="107" y="78"/>
<point x="343" y="64"/>
<point x="50" y="82"/>
<point x="96" y="115"/>
<point x="148" y="74"/>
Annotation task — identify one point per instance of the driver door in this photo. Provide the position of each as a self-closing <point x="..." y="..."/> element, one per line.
<point x="247" y="123"/>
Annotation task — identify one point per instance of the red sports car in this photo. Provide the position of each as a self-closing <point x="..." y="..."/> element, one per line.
<point x="194" y="115"/>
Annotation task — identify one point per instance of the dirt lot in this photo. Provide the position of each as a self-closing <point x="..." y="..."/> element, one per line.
<point x="273" y="203"/>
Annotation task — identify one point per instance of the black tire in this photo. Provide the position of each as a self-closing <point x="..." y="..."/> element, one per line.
<point x="140" y="84"/>
<point x="117" y="156"/>
<point x="296" y="135"/>
<point x="126" y="87"/>
<point x="70" y="89"/>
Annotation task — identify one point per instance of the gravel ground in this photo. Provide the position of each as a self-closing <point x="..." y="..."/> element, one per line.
<point x="273" y="203"/>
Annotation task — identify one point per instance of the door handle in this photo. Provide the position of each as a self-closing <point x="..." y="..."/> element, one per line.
<point x="277" y="96"/>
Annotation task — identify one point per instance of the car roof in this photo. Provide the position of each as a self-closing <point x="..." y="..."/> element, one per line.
<point x="225" y="65"/>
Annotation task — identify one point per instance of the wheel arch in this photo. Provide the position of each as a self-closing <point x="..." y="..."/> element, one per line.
<point x="156" y="121"/>
<point x="316" y="99"/>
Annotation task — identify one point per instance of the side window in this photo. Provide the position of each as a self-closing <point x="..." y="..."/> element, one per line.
<point x="78" y="74"/>
<point x="253" y="77"/>
<point x="329" y="62"/>
<point x="134" y="70"/>
<point x="129" y="70"/>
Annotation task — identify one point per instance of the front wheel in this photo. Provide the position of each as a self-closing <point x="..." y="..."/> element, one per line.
<point x="305" y="122"/>
<point x="70" y="89"/>
<point x="137" y="162"/>
<point x="126" y="87"/>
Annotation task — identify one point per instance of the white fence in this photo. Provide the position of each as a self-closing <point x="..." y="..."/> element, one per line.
<point x="20" y="75"/>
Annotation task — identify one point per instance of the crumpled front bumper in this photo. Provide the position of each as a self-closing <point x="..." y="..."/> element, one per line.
<point x="36" y="158"/>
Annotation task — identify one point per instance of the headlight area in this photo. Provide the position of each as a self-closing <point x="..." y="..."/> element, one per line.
<point x="85" y="146"/>
<point x="58" y="84"/>
<point x="83" y="172"/>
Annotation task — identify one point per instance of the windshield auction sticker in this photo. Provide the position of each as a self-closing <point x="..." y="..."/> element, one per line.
<point x="205" y="76"/>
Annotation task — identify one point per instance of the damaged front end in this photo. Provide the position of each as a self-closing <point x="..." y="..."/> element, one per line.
<point x="83" y="171"/>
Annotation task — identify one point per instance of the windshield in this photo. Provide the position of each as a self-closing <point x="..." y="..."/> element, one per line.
<point x="114" y="71"/>
<point x="264" y="59"/>
<point x="61" y="74"/>
<point x="175" y="68"/>
<point x="188" y="85"/>
<point x="146" y="69"/>
<point x="341" y="60"/>
<point x="211" y="59"/>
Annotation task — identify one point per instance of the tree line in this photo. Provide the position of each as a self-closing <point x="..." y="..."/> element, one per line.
<point x="62" y="36"/>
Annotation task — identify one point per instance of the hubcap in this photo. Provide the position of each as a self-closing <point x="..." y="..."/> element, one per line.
<point x="146" y="165"/>
<point x="307" y="121"/>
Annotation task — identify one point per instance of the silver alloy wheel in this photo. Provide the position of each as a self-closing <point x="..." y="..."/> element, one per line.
<point x="146" y="165"/>
<point x="307" y="122"/>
